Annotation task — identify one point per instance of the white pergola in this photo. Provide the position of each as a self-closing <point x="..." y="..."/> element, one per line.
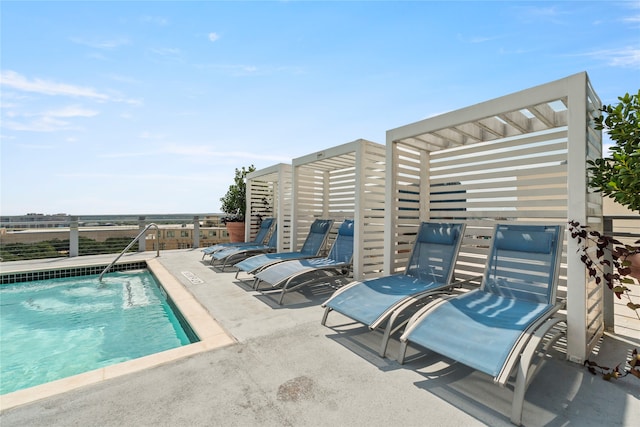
<point x="520" y="157"/>
<point x="269" y="195"/>
<point x="344" y="182"/>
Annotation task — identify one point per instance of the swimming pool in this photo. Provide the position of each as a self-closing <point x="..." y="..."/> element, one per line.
<point x="59" y="327"/>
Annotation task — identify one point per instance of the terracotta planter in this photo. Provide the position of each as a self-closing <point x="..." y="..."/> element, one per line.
<point x="236" y="231"/>
<point x="635" y="266"/>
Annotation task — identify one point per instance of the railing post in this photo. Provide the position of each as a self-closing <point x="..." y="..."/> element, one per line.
<point x="196" y="232"/>
<point x="142" y="242"/>
<point x="608" y="312"/>
<point x="73" y="237"/>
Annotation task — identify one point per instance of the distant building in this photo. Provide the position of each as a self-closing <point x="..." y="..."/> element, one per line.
<point x="177" y="233"/>
<point x="35" y="220"/>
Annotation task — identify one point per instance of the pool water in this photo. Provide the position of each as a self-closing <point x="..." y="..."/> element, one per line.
<point x="56" y="328"/>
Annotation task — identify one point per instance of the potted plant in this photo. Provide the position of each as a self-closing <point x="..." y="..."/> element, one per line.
<point x="234" y="205"/>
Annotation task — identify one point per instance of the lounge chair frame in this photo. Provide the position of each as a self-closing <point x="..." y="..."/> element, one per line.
<point x="529" y="352"/>
<point x="230" y="256"/>
<point x="310" y="249"/>
<point x="397" y="308"/>
<point x="261" y="237"/>
<point x="337" y="263"/>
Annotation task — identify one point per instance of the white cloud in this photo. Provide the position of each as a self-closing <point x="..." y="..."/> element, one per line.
<point x="101" y="44"/>
<point x="40" y="124"/>
<point x="150" y="135"/>
<point x="213" y="37"/>
<point x="197" y="153"/>
<point x="477" y="39"/>
<point x="16" y="81"/>
<point x="71" y="111"/>
<point x="47" y="121"/>
<point x="166" y="51"/>
<point x="626" y="57"/>
<point x="542" y="12"/>
<point x="19" y="82"/>
<point x="121" y="79"/>
<point x="201" y="152"/>
<point x="157" y="20"/>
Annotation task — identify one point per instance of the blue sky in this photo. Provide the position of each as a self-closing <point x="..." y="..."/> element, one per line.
<point x="148" y="107"/>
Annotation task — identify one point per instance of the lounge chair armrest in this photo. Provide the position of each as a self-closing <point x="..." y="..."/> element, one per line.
<point x="421" y="312"/>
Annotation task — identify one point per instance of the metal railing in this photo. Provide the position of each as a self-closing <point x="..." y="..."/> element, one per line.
<point x="141" y="234"/>
<point x="82" y="236"/>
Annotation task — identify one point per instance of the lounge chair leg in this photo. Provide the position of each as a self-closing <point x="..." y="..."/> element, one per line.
<point x="325" y="315"/>
<point x="402" y="352"/>
<point x="524" y="375"/>
<point x="518" y="395"/>
<point x="385" y="339"/>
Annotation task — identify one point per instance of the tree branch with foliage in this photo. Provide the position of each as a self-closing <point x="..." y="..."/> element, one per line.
<point x="234" y="202"/>
<point x="618" y="176"/>
<point x="612" y="270"/>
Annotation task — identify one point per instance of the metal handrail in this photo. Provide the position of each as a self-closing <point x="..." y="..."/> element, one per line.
<point x="131" y="244"/>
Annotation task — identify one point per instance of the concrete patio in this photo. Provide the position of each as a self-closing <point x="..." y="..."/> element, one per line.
<point x="285" y="369"/>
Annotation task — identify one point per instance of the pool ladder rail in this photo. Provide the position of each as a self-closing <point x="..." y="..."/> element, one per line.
<point x="131" y="244"/>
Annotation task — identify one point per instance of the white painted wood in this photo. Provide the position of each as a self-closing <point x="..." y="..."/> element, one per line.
<point x="345" y="182"/>
<point x="274" y="184"/>
<point x="520" y="157"/>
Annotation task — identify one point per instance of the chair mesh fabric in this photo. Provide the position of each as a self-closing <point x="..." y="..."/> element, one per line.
<point x="342" y="248"/>
<point x="433" y="252"/>
<point x="273" y="239"/>
<point x="478" y="329"/>
<point x="522" y="263"/>
<point x="265" y="226"/>
<point x="430" y="268"/>
<point x="316" y="237"/>
<point x="312" y="245"/>
<point x="227" y="252"/>
<point x="481" y="327"/>
<point x="261" y="235"/>
<point x="340" y="254"/>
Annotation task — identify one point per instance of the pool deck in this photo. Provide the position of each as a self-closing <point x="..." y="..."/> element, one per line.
<point x="272" y="365"/>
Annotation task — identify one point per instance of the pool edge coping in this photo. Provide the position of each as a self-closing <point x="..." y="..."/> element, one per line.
<point x="208" y="330"/>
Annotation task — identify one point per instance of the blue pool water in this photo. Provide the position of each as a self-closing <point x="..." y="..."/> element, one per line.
<point x="51" y="329"/>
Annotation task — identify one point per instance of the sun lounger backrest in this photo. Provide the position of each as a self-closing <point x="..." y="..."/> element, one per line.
<point x="434" y="251"/>
<point x="524" y="261"/>
<point x="342" y="248"/>
<point x="265" y="226"/>
<point x="273" y="239"/>
<point x="318" y="233"/>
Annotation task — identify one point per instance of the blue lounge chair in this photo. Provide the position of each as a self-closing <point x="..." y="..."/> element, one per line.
<point x="500" y="328"/>
<point x="261" y="237"/>
<point x="293" y="274"/>
<point x="229" y="256"/>
<point x="376" y="301"/>
<point x="313" y="244"/>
